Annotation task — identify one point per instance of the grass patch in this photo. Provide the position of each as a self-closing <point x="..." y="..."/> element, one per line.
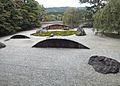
<point x="56" y="33"/>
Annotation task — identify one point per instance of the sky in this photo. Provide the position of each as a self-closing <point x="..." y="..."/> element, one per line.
<point x="61" y="3"/>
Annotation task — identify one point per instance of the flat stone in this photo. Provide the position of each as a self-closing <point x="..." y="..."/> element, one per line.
<point x="104" y="65"/>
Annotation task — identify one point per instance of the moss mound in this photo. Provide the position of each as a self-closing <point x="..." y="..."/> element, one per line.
<point x="20" y="37"/>
<point x="56" y="33"/>
<point x="59" y="43"/>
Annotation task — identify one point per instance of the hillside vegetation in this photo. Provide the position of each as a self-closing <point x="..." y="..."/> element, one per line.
<point x="60" y="9"/>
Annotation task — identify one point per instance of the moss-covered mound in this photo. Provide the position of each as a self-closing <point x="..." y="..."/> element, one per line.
<point x="59" y="43"/>
<point x="56" y="33"/>
<point x="20" y="37"/>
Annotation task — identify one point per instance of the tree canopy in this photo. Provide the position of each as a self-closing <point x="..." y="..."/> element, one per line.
<point x="17" y="15"/>
<point x="108" y="18"/>
<point x="72" y="17"/>
<point x="95" y="6"/>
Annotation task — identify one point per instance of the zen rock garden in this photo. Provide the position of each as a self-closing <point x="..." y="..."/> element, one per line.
<point x="101" y="64"/>
<point x="53" y="60"/>
<point x="60" y="43"/>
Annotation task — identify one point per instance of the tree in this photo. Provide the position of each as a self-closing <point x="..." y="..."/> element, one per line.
<point x="95" y="3"/>
<point x="6" y="25"/>
<point x="42" y="12"/>
<point x="71" y="17"/>
<point x="95" y="6"/>
<point x="108" y="18"/>
<point x="17" y="15"/>
<point x="31" y="15"/>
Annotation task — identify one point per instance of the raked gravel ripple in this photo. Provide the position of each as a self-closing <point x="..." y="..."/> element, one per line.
<point x="22" y="65"/>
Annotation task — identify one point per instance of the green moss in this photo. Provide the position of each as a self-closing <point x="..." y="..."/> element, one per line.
<point x="56" y="33"/>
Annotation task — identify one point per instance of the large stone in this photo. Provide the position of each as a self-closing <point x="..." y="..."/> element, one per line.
<point x="80" y="32"/>
<point x="41" y="30"/>
<point x="2" y="45"/>
<point x="104" y="65"/>
<point x="59" y="43"/>
<point x="20" y="37"/>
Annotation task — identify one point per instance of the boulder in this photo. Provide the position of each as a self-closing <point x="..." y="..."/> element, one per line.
<point x="42" y="30"/>
<point x="59" y="43"/>
<point x="19" y="37"/>
<point x="80" y="32"/>
<point x="104" y="65"/>
<point x="2" y="45"/>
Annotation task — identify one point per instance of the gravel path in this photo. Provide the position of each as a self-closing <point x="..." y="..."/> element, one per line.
<point x="21" y="65"/>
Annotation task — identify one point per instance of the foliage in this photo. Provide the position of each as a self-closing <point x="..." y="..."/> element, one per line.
<point x="72" y="17"/>
<point x="17" y="15"/>
<point x="53" y="16"/>
<point x="95" y="6"/>
<point x="56" y="33"/>
<point x="56" y="13"/>
<point x="56" y="9"/>
<point x="108" y="18"/>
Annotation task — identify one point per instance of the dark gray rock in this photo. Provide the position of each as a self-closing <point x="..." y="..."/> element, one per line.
<point x="59" y="43"/>
<point x="80" y="32"/>
<point x="104" y="65"/>
<point x="20" y="37"/>
<point x="42" y="30"/>
<point x="2" y="45"/>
